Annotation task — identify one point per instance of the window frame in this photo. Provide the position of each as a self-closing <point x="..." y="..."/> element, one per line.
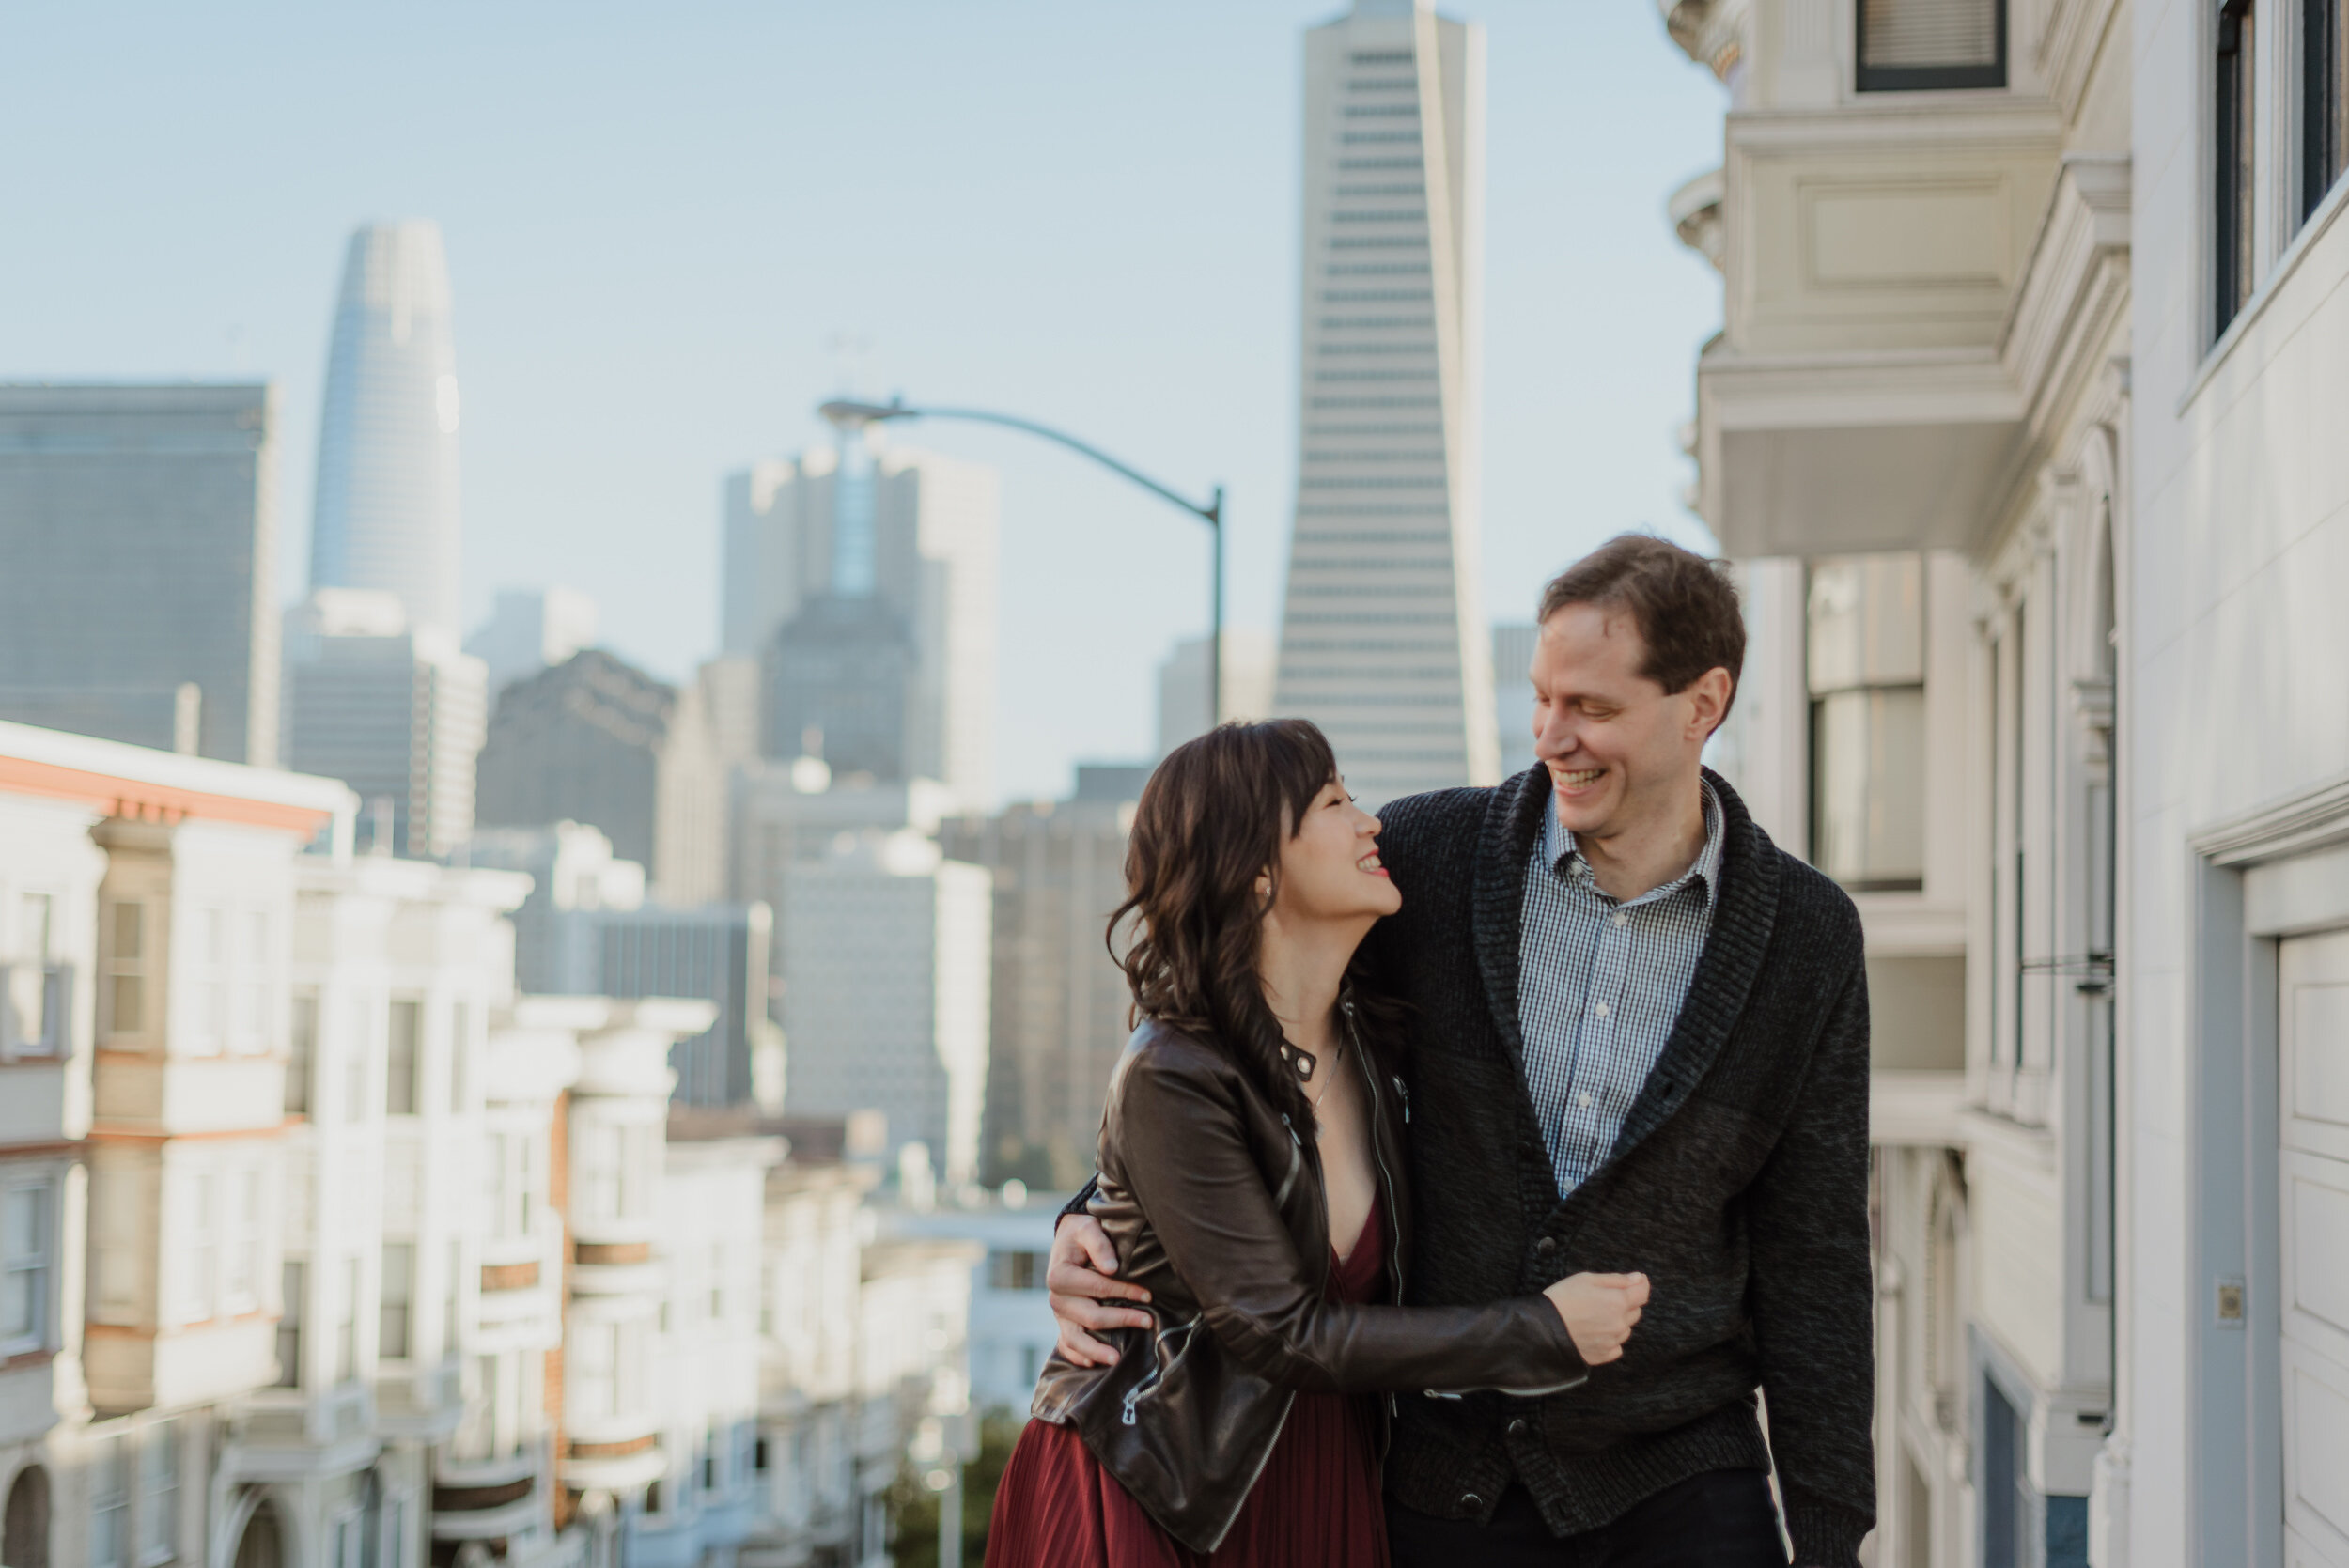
<point x="2324" y="106"/>
<point x="1912" y="78"/>
<point x="39" y="1261"/>
<point x="2233" y="144"/>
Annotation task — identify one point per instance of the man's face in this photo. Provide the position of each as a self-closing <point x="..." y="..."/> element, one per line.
<point x="1620" y="749"/>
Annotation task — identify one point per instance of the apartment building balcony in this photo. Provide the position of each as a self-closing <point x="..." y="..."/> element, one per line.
<point x="279" y="1435"/>
<point x="170" y="1096"/>
<point x="1870" y="389"/>
<point x="491" y="1498"/>
<point x="423" y="1404"/>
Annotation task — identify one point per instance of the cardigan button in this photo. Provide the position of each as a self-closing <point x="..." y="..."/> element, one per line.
<point x="1469" y="1499"/>
<point x="1516" y="1425"/>
<point x="1544" y="1247"/>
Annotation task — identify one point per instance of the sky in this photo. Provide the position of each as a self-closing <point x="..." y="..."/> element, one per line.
<point x="672" y="231"/>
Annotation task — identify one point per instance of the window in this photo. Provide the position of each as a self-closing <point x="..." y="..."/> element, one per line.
<point x="24" y="1229"/>
<point x="126" y="984"/>
<point x="1015" y="1271"/>
<point x="32" y="1001"/>
<point x="1920" y="45"/>
<point x="297" y="1279"/>
<point x="244" y="1254"/>
<point x="203" y="1252"/>
<point x="346" y="1325"/>
<point x="400" y="1058"/>
<point x="355" y="1063"/>
<point x="398" y="1292"/>
<point x="109" y="1504"/>
<point x="158" y="1493"/>
<point x="301" y="1049"/>
<point x="206" y="1015"/>
<point x="594" y="1353"/>
<point x="2323" y="98"/>
<point x="717" y="1282"/>
<point x="460" y="1043"/>
<point x="248" y="1021"/>
<point x="1866" y="617"/>
<point x="2233" y="105"/>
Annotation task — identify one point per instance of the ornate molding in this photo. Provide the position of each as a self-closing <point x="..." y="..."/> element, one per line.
<point x="2311" y="818"/>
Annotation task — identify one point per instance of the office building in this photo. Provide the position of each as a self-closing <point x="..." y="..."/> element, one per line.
<point x="586" y="930"/>
<point x="864" y="581"/>
<point x="530" y="629"/>
<point x="885" y="973"/>
<point x="394" y="711"/>
<point x="1058" y="1003"/>
<point x="597" y="741"/>
<point x="1512" y="694"/>
<point x="138" y="545"/>
<point x="1383" y="640"/>
<point x="1248" y="662"/>
<point x="386" y="514"/>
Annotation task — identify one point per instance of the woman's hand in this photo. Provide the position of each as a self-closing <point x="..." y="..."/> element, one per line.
<point x="1083" y="1293"/>
<point x="1599" y="1311"/>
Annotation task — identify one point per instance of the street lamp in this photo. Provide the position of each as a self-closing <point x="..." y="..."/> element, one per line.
<point x="849" y="415"/>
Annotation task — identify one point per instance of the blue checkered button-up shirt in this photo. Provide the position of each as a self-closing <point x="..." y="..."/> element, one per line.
<point x="1599" y="988"/>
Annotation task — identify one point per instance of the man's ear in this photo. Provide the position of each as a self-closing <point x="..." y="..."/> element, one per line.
<point x="1708" y="700"/>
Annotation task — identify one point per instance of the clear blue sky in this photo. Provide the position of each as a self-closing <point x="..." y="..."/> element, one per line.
<point x="659" y="219"/>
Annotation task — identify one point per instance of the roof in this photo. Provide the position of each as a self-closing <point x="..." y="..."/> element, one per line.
<point x="117" y="780"/>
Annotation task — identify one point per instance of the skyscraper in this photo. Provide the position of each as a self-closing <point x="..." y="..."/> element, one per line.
<point x="864" y="581"/>
<point x="531" y="629"/>
<point x="396" y="713"/>
<point x="600" y="742"/>
<point x="1383" y="640"/>
<point x="386" y="515"/>
<point x="137" y="546"/>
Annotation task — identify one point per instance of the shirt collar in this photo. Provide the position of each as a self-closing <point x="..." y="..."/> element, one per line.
<point x="1561" y="854"/>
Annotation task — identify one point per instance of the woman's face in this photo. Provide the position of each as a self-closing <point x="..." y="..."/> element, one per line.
<point x="1329" y="868"/>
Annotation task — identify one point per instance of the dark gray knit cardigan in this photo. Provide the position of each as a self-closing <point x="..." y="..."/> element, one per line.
<point x="1739" y="1186"/>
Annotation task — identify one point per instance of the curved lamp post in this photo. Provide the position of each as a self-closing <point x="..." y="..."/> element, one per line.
<point x="847" y="415"/>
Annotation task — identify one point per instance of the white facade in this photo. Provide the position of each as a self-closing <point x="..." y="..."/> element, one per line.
<point x="150" y="900"/>
<point x="914" y="532"/>
<point x="1249" y="656"/>
<point x="886" y="974"/>
<point x="2233" y="1438"/>
<point x="1011" y="1330"/>
<point x="1911" y="436"/>
<point x="707" y="1350"/>
<point x="395" y="711"/>
<point x="1383" y="640"/>
<point x="386" y="516"/>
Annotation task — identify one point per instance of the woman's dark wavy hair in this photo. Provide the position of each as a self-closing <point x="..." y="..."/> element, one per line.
<point x="1210" y="821"/>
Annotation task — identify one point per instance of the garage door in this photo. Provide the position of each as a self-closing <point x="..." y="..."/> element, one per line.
<point x="2315" y="1166"/>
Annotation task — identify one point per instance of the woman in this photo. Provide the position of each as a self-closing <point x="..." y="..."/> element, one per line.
<point x="1252" y="1179"/>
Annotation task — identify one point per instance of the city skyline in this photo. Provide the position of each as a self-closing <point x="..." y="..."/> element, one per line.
<point x="635" y="328"/>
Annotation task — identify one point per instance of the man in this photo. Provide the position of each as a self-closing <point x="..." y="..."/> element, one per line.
<point x="1639" y="1042"/>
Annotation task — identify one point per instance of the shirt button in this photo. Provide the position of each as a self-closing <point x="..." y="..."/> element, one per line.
<point x="1602" y="1009"/>
<point x="1583" y="1099"/>
<point x="1622" y="918"/>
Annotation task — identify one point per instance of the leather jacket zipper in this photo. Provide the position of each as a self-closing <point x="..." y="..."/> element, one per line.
<point x="1158" y="1370"/>
<point x="1377" y="1154"/>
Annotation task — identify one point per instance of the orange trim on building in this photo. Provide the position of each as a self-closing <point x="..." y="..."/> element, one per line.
<point x="140" y="802"/>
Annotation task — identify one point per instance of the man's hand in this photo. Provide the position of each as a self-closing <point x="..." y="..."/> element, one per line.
<point x="1599" y="1310"/>
<point x="1079" y="1279"/>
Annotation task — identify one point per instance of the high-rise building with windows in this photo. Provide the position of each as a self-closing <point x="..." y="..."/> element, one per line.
<point x="864" y="579"/>
<point x="386" y="515"/>
<point x="137" y="554"/>
<point x="1383" y="640"/>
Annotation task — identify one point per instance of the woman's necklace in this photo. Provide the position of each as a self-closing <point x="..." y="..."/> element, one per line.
<point x="1307" y="1066"/>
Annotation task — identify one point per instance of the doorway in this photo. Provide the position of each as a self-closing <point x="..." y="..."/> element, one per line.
<point x="2313" y="1159"/>
<point x="25" y="1528"/>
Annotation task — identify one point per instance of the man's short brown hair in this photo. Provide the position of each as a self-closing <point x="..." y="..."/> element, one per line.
<point x="1685" y="606"/>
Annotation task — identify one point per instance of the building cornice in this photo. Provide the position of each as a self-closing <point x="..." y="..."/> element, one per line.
<point x="2311" y="818"/>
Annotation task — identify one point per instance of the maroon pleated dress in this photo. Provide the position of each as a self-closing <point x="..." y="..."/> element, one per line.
<point x="1315" y="1504"/>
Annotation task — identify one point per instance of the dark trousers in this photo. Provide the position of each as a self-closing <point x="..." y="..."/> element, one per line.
<point x="1720" y="1520"/>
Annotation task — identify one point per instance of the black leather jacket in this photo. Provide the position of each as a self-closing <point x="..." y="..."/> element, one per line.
<point x="1214" y="1202"/>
